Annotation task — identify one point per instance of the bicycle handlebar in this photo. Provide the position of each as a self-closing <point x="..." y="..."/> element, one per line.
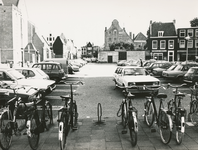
<point x="73" y="83"/>
<point x="176" y="86"/>
<point x="153" y="88"/>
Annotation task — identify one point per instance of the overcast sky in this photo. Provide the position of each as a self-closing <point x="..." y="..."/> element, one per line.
<point x="85" y="20"/>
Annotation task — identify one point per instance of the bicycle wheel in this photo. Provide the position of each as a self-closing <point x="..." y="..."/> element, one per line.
<point x="194" y="113"/>
<point x="124" y="114"/>
<point x="180" y="127"/>
<point x="48" y="115"/>
<point x="64" y="127"/>
<point x="75" y="115"/>
<point x="149" y="113"/>
<point x="6" y="130"/>
<point x="33" y="131"/>
<point x="165" y="127"/>
<point x="133" y="128"/>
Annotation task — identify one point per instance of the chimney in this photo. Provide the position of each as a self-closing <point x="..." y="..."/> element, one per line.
<point x="133" y="36"/>
<point x="174" y="21"/>
<point x="130" y="34"/>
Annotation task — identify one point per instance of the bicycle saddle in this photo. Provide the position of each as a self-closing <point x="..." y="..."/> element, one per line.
<point x="180" y="94"/>
<point x="162" y="95"/>
<point x="130" y="95"/>
<point x="66" y="96"/>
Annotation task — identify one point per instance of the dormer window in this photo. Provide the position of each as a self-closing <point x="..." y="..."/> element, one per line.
<point x="160" y="33"/>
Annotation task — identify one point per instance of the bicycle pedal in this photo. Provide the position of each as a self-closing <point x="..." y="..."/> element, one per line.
<point x="153" y="130"/>
<point x="124" y="131"/>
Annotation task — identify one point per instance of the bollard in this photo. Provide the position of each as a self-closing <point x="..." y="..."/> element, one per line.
<point x="99" y="114"/>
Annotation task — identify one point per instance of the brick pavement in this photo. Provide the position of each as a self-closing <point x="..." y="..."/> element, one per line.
<point x="108" y="136"/>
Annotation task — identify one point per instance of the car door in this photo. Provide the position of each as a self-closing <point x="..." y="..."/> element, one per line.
<point x="54" y="71"/>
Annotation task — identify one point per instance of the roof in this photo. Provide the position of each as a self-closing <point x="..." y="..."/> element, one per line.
<point x="10" y="2"/>
<point x="129" y="67"/>
<point x="168" y="28"/>
<point x="140" y="37"/>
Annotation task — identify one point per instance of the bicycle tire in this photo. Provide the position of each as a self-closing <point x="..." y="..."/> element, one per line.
<point x="6" y="130"/>
<point x="75" y="115"/>
<point x="165" y="127"/>
<point x="48" y="115"/>
<point x="64" y="127"/>
<point x="149" y="113"/>
<point x="179" y="125"/>
<point x="194" y="112"/>
<point x="124" y="114"/>
<point x="132" y="129"/>
<point x="34" y="135"/>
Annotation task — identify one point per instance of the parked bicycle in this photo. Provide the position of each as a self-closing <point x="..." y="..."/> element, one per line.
<point x="67" y="115"/>
<point x="161" y="117"/>
<point x="177" y="112"/>
<point x="16" y="108"/>
<point x="129" y="115"/>
<point x="193" y="114"/>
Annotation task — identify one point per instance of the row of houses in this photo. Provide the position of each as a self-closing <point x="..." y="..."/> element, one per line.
<point x="163" y="42"/>
<point x="20" y="41"/>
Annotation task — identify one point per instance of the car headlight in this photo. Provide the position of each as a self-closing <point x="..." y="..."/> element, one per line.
<point x="131" y="83"/>
<point x="155" y="83"/>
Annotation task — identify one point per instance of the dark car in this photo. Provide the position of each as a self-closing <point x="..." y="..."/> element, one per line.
<point x="158" y="71"/>
<point x="178" y="72"/>
<point x="53" y="69"/>
<point x="155" y="64"/>
<point x="191" y="76"/>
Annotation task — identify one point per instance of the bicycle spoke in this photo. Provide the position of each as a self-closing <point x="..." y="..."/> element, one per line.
<point x="149" y="113"/>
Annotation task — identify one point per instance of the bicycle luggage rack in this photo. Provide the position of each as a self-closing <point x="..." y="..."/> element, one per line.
<point x="99" y="114"/>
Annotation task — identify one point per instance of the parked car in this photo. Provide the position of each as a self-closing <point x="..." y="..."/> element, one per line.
<point x="121" y="63"/>
<point x="191" y="76"/>
<point x="156" y="64"/>
<point x="148" y="62"/>
<point x="13" y="77"/>
<point x="73" y="68"/>
<point x="137" y="76"/>
<point x="53" y="69"/>
<point x="6" y="93"/>
<point x="33" y="73"/>
<point x="158" y="71"/>
<point x="178" y="72"/>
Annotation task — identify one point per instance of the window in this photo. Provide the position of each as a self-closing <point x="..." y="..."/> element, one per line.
<point x="182" y="33"/>
<point x="196" y="33"/>
<point x="158" y="56"/>
<point x="109" y="39"/>
<point x="171" y="44"/>
<point x="196" y="43"/>
<point x="160" y="33"/>
<point x="182" y="44"/>
<point x="190" y="44"/>
<point x="154" y="44"/>
<point x="114" y="32"/>
<point x="162" y="44"/>
<point x="190" y="32"/>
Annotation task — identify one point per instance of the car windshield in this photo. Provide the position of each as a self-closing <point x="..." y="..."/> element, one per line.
<point x="16" y="74"/>
<point x="42" y="73"/>
<point x="191" y="70"/>
<point x="172" y="67"/>
<point x="178" y="68"/>
<point x="134" y="71"/>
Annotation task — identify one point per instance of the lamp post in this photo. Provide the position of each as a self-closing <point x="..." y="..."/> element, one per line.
<point x="187" y="39"/>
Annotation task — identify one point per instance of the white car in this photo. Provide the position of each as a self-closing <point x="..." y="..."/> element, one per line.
<point x="13" y="77"/>
<point x="33" y="73"/>
<point x="135" y="76"/>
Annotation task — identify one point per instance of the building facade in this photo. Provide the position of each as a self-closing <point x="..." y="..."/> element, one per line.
<point x="115" y="34"/>
<point x="187" y="44"/>
<point x="162" y="40"/>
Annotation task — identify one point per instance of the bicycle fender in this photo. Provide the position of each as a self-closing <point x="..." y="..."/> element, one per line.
<point x="135" y="122"/>
<point x="182" y="124"/>
<point x="60" y="133"/>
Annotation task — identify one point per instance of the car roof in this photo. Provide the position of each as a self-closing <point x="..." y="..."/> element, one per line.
<point x="130" y="67"/>
<point x="47" y="62"/>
